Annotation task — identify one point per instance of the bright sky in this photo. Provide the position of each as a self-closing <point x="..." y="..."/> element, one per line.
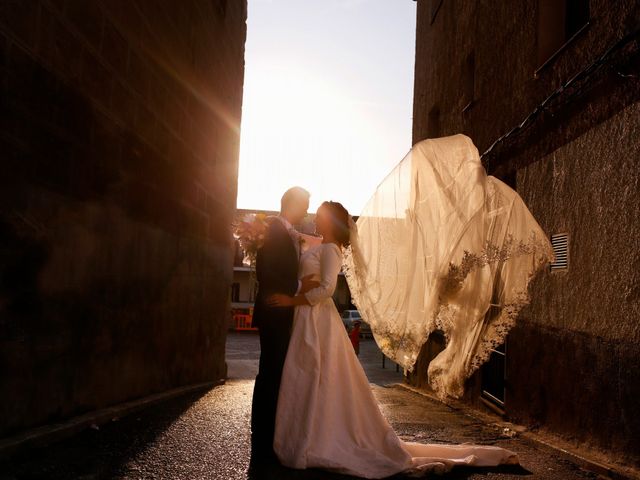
<point x="328" y="97"/>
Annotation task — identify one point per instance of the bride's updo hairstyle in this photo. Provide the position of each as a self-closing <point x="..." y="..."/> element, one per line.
<point x="339" y="221"/>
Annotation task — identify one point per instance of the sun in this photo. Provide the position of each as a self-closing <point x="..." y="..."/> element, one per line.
<point x="297" y="129"/>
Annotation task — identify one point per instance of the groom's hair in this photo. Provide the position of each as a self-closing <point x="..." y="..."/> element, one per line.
<point x="292" y="196"/>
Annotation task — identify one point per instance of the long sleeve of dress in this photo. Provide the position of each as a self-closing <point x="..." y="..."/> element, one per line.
<point x="330" y="264"/>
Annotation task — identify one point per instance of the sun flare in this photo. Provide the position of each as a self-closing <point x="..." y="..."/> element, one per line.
<point x="326" y="106"/>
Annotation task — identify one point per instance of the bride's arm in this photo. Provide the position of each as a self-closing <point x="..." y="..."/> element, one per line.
<point x="330" y="264"/>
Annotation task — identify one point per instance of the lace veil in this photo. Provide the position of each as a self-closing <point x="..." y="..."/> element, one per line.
<point x="442" y="245"/>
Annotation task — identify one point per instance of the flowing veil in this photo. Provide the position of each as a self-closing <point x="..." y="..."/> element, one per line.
<point x="443" y="246"/>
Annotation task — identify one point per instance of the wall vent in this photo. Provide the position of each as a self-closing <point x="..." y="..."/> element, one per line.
<point x="560" y="244"/>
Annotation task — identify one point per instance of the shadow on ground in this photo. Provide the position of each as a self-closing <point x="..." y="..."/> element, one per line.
<point x="98" y="453"/>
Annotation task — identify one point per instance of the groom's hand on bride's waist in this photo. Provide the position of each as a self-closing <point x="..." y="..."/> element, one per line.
<point x="308" y="284"/>
<point x="282" y="300"/>
<point x="279" y="300"/>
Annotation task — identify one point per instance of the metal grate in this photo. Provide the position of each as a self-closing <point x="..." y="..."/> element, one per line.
<point x="560" y="244"/>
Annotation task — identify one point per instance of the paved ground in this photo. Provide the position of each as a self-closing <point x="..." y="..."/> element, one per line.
<point x="206" y="436"/>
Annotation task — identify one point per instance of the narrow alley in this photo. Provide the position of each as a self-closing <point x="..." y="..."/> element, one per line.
<point x="206" y="435"/>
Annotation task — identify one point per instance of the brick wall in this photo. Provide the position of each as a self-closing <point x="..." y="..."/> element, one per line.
<point x="119" y="133"/>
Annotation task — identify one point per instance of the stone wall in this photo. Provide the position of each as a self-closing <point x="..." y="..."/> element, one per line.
<point x="119" y="136"/>
<point x="573" y="359"/>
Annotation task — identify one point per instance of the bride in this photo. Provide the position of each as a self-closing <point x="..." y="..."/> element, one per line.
<point x="440" y="245"/>
<point x="327" y="416"/>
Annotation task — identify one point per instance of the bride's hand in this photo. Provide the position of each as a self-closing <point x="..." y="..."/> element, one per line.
<point x="279" y="300"/>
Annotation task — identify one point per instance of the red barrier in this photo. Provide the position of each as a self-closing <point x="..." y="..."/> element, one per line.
<point x="243" y="322"/>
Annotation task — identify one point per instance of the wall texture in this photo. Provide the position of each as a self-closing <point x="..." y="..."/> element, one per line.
<point x="573" y="363"/>
<point x="119" y="133"/>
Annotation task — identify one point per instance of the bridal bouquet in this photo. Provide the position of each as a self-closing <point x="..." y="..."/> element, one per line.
<point x="251" y="232"/>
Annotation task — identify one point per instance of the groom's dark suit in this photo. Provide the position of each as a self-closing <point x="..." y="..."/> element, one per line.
<point x="277" y="272"/>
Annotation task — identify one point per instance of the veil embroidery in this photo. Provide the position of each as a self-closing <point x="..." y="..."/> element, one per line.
<point x="442" y="245"/>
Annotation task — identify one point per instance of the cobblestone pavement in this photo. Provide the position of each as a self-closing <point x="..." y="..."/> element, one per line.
<point x="206" y="435"/>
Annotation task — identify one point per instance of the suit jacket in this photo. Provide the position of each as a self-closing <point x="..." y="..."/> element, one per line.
<point x="277" y="272"/>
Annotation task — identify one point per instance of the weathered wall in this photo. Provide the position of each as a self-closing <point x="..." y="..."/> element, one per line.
<point x="579" y="340"/>
<point x="119" y="133"/>
<point x="572" y="359"/>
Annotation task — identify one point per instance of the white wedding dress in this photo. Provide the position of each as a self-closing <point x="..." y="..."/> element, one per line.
<point x="327" y="416"/>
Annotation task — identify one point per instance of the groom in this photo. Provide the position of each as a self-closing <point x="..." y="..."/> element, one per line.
<point x="277" y="272"/>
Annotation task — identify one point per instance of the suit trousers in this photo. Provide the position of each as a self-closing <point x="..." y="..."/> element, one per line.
<point x="275" y="332"/>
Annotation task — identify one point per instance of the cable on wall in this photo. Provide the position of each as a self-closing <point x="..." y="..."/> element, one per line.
<point x="586" y="73"/>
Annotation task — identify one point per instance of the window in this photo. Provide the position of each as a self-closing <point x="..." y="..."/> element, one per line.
<point x="221" y="7"/>
<point x="469" y="74"/>
<point x="235" y="292"/>
<point x="433" y="125"/>
<point x="558" y="22"/>
<point x="494" y="372"/>
<point x="577" y="16"/>
<point x="434" y="8"/>
<point x="510" y="178"/>
<point x="494" y="377"/>
<point x="253" y="290"/>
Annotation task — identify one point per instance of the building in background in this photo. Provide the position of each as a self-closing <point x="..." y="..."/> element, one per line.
<point x="548" y="90"/>
<point x="119" y="138"/>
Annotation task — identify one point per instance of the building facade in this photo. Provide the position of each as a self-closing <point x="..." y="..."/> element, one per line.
<point x="548" y="90"/>
<point x="119" y="138"/>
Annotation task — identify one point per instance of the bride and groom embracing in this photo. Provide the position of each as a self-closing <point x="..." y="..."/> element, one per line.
<point x="312" y="403"/>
